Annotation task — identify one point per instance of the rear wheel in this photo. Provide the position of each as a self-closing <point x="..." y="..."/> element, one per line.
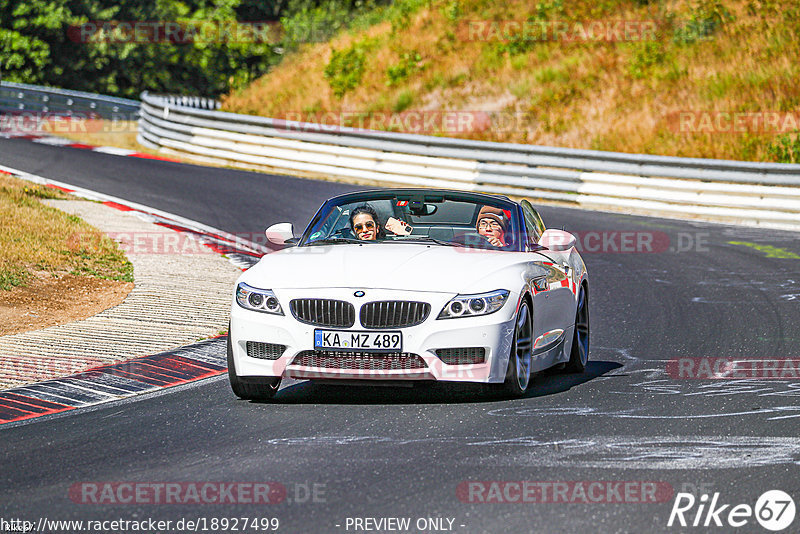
<point x="579" y="354"/>
<point x="264" y="389"/>
<point x="518" y="373"/>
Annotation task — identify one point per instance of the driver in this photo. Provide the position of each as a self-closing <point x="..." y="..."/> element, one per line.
<point x="492" y="224"/>
<point x="366" y="226"/>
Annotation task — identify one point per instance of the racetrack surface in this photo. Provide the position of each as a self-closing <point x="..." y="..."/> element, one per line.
<point x="399" y="452"/>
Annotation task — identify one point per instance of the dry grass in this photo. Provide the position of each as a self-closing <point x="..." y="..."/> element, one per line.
<point x="619" y="96"/>
<point x="40" y="241"/>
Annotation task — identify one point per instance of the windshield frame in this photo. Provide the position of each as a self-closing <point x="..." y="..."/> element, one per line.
<point x="429" y="196"/>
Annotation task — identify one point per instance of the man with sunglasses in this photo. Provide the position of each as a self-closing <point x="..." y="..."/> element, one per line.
<point x="492" y="224"/>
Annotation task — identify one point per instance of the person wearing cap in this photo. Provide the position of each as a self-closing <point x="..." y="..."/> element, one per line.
<point x="492" y="224"/>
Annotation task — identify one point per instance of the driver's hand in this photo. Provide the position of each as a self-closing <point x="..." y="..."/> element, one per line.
<point x="397" y="226"/>
<point x="495" y="242"/>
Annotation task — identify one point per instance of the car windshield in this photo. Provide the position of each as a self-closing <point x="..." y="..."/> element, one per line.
<point x="456" y="219"/>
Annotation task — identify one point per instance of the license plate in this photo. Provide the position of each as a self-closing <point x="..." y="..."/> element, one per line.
<point x="353" y="340"/>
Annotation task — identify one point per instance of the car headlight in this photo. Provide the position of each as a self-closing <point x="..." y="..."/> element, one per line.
<point x="473" y="305"/>
<point x="260" y="300"/>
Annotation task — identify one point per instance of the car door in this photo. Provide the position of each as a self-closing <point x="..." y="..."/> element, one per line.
<point x="553" y="300"/>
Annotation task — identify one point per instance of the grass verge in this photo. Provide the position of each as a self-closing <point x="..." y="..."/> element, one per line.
<point x="40" y="241"/>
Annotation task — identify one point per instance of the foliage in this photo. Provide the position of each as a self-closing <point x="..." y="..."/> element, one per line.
<point x="345" y="68"/>
<point x="452" y="10"/>
<point x="705" y="18"/>
<point x="404" y="101"/>
<point x="786" y="148"/>
<point x="309" y="23"/>
<point x="645" y="56"/>
<point x="400" y="11"/>
<point x="410" y="62"/>
<point x="61" y="43"/>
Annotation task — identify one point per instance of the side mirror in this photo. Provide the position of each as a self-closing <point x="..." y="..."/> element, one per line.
<point x="280" y="233"/>
<point x="557" y="240"/>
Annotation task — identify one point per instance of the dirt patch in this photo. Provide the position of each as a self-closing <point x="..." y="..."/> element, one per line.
<point x="49" y="301"/>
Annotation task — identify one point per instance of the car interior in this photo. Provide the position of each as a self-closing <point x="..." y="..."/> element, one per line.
<point x="444" y="221"/>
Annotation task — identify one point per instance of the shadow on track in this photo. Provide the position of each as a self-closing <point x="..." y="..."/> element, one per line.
<point x="543" y="384"/>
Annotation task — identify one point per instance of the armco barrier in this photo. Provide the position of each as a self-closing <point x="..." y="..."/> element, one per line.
<point x="765" y="194"/>
<point x="20" y="98"/>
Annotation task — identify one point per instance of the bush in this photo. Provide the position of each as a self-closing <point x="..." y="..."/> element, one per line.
<point x="646" y="56"/>
<point x="346" y="68"/>
<point x="706" y="17"/>
<point x="400" y="11"/>
<point x="410" y="62"/>
<point x="404" y="101"/>
<point x="452" y="10"/>
<point x="786" y="148"/>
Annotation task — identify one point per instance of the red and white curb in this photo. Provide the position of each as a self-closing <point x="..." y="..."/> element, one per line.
<point x="115" y="381"/>
<point x="241" y="252"/>
<point x="53" y="140"/>
<point x="139" y="375"/>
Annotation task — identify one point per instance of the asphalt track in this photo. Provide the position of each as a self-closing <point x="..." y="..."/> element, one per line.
<point x="407" y="453"/>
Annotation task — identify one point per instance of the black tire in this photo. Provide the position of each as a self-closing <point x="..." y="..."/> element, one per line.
<point x="579" y="354"/>
<point x="518" y="372"/>
<point x="264" y="389"/>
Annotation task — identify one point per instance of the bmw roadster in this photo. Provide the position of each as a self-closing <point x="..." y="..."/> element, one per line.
<point x="411" y="284"/>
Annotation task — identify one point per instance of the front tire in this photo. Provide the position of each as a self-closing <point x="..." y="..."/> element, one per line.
<point x="579" y="354"/>
<point x="250" y="391"/>
<point x="518" y="373"/>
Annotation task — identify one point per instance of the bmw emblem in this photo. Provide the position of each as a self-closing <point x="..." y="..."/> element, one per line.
<point x="358" y="294"/>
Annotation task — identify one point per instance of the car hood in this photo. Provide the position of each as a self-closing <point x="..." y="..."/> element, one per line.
<point x="384" y="266"/>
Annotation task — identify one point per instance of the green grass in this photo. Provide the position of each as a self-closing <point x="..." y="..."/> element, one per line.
<point x="37" y="238"/>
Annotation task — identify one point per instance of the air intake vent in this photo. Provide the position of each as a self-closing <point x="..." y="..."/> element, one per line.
<point x="393" y="313"/>
<point x="462" y="355"/>
<point x="359" y="360"/>
<point x="265" y="351"/>
<point x="324" y="312"/>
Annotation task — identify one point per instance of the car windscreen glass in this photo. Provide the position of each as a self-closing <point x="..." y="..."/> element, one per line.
<point x="438" y="221"/>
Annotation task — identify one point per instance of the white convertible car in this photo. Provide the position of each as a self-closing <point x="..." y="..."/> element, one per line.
<point x="411" y="284"/>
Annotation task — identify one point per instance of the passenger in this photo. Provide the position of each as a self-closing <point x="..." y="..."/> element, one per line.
<point x="492" y="224"/>
<point x="365" y="225"/>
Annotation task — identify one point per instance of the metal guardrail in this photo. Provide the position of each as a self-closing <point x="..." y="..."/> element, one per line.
<point x="22" y="99"/>
<point x="752" y="193"/>
<point x="747" y="192"/>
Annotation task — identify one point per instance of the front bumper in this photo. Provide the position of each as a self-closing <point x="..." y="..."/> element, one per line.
<point x="419" y="361"/>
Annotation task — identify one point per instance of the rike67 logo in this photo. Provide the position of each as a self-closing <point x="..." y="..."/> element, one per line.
<point x="774" y="510"/>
